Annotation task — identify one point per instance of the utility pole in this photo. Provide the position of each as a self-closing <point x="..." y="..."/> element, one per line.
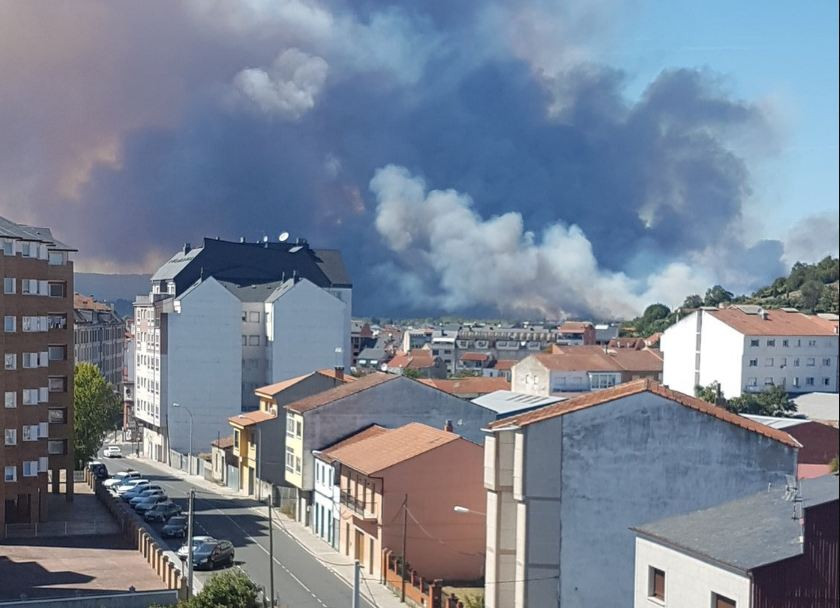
<point x="404" y="570"/>
<point x="190" y="545"/>
<point x="270" y="546"/>
<point x="357" y="575"/>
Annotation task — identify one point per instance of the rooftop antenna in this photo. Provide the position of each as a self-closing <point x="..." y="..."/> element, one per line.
<point x="265" y="239"/>
<point x="295" y="249"/>
<point x="284" y="236"/>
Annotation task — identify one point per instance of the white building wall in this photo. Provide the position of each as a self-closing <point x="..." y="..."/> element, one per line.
<point x="679" y="345"/>
<point x="529" y="376"/>
<point x="721" y="356"/>
<point x="326" y="501"/>
<point x="203" y="366"/>
<point x="801" y="364"/>
<point x="255" y="366"/>
<point x="308" y="325"/>
<point x="689" y="582"/>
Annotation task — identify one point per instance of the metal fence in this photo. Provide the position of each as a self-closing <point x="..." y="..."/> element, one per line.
<point x="61" y="528"/>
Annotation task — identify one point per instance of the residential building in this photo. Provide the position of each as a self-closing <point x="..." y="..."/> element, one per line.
<point x="469" y="387"/>
<point x="361" y="337"/>
<point x="822" y="407"/>
<point x="819" y="442"/>
<point x="131" y="430"/>
<point x="507" y="342"/>
<point x="507" y="403"/>
<point x="260" y="463"/>
<point x="777" y="547"/>
<point x="499" y="369"/>
<point x="224" y="465"/>
<point x="388" y="400"/>
<point x="575" y="333"/>
<point x="222" y="320"/>
<point x="475" y="363"/>
<point x="443" y="347"/>
<point x="565" y="483"/>
<point x="37" y="375"/>
<point x="372" y="358"/>
<point x="574" y="369"/>
<point x="748" y="349"/>
<point x="416" y="338"/>
<point x="604" y="332"/>
<point x="419" y="361"/>
<point x="423" y="473"/>
<point x="99" y="335"/>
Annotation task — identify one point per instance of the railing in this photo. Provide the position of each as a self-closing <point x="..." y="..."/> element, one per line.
<point x="361" y="507"/>
<point x="60" y="528"/>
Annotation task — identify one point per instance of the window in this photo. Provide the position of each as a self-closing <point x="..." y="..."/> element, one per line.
<point x="57" y="447"/>
<point x="782" y="361"/>
<point x="10" y="360"/>
<point x="57" y="258"/>
<point x="796" y="381"/>
<point x="752" y="381"/>
<point x="30" y="468"/>
<point x="785" y="343"/>
<point x="10" y="437"/>
<point x="290" y="425"/>
<point x="297" y="464"/>
<point x="57" y="416"/>
<point x="253" y="340"/>
<point x="754" y="342"/>
<point x="244" y="316"/>
<point x="254" y="317"/>
<point x="29" y="432"/>
<point x="9" y="324"/>
<point x="8" y="247"/>
<point x="720" y="601"/>
<point x="11" y="399"/>
<point x="30" y="396"/>
<point x="656" y="583"/>
<point x="810" y="361"/>
<point x="58" y="289"/>
<point x="826" y="381"/>
<point x="796" y="362"/>
<point x="809" y="382"/>
<point x="236" y="439"/>
<point x="753" y="362"/>
<point x="768" y="381"/>
<point x="812" y="342"/>
<point x="826" y="362"/>
<point x="10" y="474"/>
<point x="298" y="428"/>
<point x="57" y="321"/>
<point x="290" y="460"/>
<point x="58" y="353"/>
<point x="244" y="340"/>
<point x="798" y="343"/>
<point x="57" y="384"/>
<point x="9" y="285"/>
<point x="768" y="362"/>
<point x="771" y="343"/>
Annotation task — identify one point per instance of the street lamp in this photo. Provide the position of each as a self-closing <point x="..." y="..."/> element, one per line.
<point x="175" y="404"/>
<point x="460" y="509"/>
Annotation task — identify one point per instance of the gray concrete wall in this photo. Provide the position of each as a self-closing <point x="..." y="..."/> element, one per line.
<point x="139" y="599"/>
<point x="622" y="464"/>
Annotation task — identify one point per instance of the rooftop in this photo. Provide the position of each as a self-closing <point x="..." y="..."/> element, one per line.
<point x="637" y="387"/>
<point x="223" y="443"/>
<point x="819" y="406"/>
<point x="597" y="359"/>
<point x="250" y="418"/>
<point x="12" y="230"/>
<point x="271" y="390"/>
<point x="340" y="392"/>
<point x="371" y="431"/>
<point x="380" y="451"/>
<point x="471" y="385"/>
<point x="755" y="321"/>
<point x="747" y="533"/>
<point x="470" y="356"/>
<point x="505" y="402"/>
<point x="776" y="422"/>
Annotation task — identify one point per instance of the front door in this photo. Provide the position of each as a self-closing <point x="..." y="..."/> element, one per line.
<point x="360" y="546"/>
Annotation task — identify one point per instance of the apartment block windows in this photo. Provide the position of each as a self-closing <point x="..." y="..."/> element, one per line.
<point x="236" y="439"/>
<point x="752" y="382"/>
<point x="796" y="381"/>
<point x="57" y="416"/>
<point x="9" y="324"/>
<point x="785" y="343"/>
<point x="810" y="362"/>
<point x="290" y="460"/>
<point x="57" y="384"/>
<point x="771" y="343"/>
<point x="57" y="258"/>
<point x="244" y="316"/>
<point x="29" y="432"/>
<point x="796" y="362"/>
<point x="11" y="399"/>
<point x="56" y="447"/>
<point x="812" y="343"/>
<point x="254" y="317"/>
<point x="58" y="353"/>
<point x="720" y="601"/>
<point x="253" y="340"/>
<point x="244" y="340"/>
<point x="298" y="428"/>
<point x="10" y="474"/>
<point x="30" y="468"/>
<point x="10" y="437"/>
<point x="30" y="396"/>
<point x="10" y="361"/>
<point x="768" y="362"/>
<point x="9" y="285"/>
<point x="826" y="381"/>
<point x="290" y="425"/>
<point x="57" y="321"/>
<point x="768" y="381"/>
<point x="754" y="342"/>
<point x="8" y="247"/>
<point x="826" y="362"/>
<point x="753" y="362"/>
<point x="58" y="289"/>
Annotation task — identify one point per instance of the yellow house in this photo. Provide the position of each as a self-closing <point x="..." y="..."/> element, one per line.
<point x="246" y="441"/>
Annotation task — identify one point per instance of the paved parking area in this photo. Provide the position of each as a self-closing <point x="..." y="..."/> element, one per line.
<point x="70" y="565"/>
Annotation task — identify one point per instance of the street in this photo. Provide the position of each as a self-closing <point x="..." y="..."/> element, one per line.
<point x="300" y="579"/>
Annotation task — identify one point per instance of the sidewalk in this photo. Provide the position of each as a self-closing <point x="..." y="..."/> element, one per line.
<point x="340" y="565"/>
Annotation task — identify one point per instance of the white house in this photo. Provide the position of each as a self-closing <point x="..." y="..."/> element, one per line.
<point x="747" y="348"/>
<point x="567" y="481"/>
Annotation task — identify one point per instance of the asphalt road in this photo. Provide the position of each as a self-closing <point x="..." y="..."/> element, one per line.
<point x="300" y="580"/>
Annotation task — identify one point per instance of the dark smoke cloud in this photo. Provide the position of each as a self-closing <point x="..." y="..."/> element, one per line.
<point x="255" y="120"/>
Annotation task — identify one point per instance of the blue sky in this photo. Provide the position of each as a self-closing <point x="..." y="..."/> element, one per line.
<point x="781" y="53"/>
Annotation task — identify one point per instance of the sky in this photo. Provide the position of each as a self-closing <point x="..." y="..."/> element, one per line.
<point x="526" y="158"/>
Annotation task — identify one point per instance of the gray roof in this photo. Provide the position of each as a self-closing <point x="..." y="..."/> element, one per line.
<point x="10" y="229"/>
<point x="746" y="533"/>
<point x="775" y="422"/>
<point x="175" y="264"/>
<point x="254" y="293"/>
<point x="505" y="403"/>
<point x="819" y="406"/>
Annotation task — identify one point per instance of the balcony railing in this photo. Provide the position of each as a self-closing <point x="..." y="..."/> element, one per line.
<point x="360" y="507"/>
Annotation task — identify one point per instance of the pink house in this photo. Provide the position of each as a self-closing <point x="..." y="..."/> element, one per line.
<point x="431" y="471"/>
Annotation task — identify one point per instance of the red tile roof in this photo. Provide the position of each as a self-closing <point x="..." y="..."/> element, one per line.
<point x="271" y="390"/>
<point x="636" y="387"/>
<point x="575" y="327"/>
<point x="474" y="385"/>
<point x="371" y="431"/>
<point x="475" y="357"/>
<point x="778" y="323"/>
<point x="380" y="451"/>
<point x="504" y="364"/>
<point x="223" y="443"/>
<point x="250" y="418"/>
<point x="340" y="392"/>
<point x="595" y="359"/>
<point x="419" y="359"/>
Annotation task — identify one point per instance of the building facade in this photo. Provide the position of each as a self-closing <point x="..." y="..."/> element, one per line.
<point x="224" y="319"/>
<point x="37" y="376"/>
<point x="566" y="482"/>
<point x="99" y="334"/>
<point x="748" y="349"/>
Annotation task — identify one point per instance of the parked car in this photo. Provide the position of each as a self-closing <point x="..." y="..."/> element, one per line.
<point x="144" y="495"/>
<point x="162" y="511"/>
<point x="119" y="477"/>
<point x="130" y="485"/>
<point x="112" y="451"/>
<point x="176" y="527"/>
<point x="148" y="503"/>
<point x="212" y="554"/>
<point x="197" y="540"/>
<point x="99" y="470"/>
<point x="138" y="491"/>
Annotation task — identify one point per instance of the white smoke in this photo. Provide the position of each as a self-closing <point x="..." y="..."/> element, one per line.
<point x="287" y="89"/>
<point x="463" y="260"/>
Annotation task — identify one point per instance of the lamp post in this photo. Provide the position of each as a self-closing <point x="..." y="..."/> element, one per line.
<point x="460" y="509"/>
<point x="189" y="461"/>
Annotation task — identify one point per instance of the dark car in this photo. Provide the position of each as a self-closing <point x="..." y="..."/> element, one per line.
<point x="162" y="511"/>
<point x="99" y="470"/>
<point x="211" y="554"/>
<point x="149" y="503"/>
<point x="176" y="527"/>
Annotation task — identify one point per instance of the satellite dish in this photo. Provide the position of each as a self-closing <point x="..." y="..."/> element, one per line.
<point x="284" y="236"/>
<point x="295" y="249"/>
<point x="265" y="239"/>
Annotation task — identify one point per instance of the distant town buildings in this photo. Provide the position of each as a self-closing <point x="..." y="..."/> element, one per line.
<point x="99" y="338"/>
<point x="37" y="375"/>
<point x="748" y="349"/>
<point x="226" y="318"/>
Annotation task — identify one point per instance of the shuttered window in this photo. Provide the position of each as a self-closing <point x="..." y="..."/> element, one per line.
<point x="657" y="584"/>
<point x="719" y="601"/>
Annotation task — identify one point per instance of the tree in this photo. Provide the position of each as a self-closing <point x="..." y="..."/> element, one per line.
<point x="717" y="295"/>
<point x="229" y="589"/>
<point x="693" y="301"/>
<point x="411" y="373"/>
<point x="810" y="293"/>
<point x="655" y="312"/>
<point x="710" y="393"/>
<point x="96" y="410"/>
<point x="770" y="402"/>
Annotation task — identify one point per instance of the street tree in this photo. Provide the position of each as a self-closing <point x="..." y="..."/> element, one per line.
<point x="96" y="410"/>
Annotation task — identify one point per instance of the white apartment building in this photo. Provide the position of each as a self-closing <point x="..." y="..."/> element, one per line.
<point x="224" y="319"/>
<point x="746" y="348"/>
<point x="99" y="335"/>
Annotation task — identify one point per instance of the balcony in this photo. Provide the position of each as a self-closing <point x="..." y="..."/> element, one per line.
<point x="365" y="510"/>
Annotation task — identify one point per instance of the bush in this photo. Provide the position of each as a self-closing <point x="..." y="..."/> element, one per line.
<point x="230" y="589"/>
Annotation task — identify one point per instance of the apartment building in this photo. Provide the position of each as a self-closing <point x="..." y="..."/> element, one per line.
<point x="99" y="334"/>
<point x="36" y="381"/>
<point x="566" y="482"/>
<point x="224" y="319"/>
<point x="747" y="349"/>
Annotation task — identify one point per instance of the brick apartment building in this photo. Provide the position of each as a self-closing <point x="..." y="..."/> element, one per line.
<point x="36" y="379"/>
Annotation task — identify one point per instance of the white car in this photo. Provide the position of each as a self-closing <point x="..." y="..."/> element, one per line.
<point x="130" y="485"/>
<point x="120" y="477"/>
<point x="112" y="451"/>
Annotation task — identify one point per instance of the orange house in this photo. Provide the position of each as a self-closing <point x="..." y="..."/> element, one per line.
<point x="411" y="479"/>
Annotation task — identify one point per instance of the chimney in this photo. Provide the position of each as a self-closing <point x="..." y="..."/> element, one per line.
<point x="187" y="248"/>
<point x="339" y="372"/>
<point x="447" y="426"/>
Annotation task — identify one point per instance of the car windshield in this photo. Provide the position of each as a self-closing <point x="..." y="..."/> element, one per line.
<point x="205" y="547"/>
<point x="177" y="521"/>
